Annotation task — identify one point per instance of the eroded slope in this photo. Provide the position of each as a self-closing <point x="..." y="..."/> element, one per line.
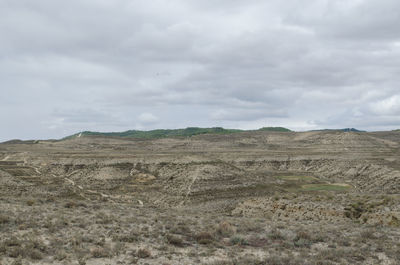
<point x="167" y="192"/>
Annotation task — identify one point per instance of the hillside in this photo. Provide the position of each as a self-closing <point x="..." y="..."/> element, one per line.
<point x="342" y="130"/>
<point x="163" y="133"/>
<point x="256" y="197"/>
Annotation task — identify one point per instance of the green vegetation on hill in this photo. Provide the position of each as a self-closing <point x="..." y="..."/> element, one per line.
<point x="351" y="130"/>
<point x="163" y="133"/>
<point x="160" y="133"/>
<point x="340" y="130"/>
<point x="274" y="129"/>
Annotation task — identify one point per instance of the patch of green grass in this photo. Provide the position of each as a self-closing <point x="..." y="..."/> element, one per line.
<point x="297" y="178"/>
<point x="325" y="187"/>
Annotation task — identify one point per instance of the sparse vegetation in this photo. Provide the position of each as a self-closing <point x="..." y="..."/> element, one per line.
<point x="297" y="178"/>
<point x="326" y="187"/>
<point x="249" y="198"/>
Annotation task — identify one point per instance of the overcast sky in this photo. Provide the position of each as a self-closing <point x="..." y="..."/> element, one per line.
<point x="102" y="65"/>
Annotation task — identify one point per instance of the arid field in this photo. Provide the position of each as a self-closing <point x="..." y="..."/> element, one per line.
<point x="324" y="197"/>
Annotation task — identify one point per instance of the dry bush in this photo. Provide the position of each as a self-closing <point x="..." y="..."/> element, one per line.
<point x="60" y="255"/>
<point x="343" y="241"/>
<point x="368" y="234"/>
<point x="36" y="244"/>
<point x="131" y="237"/>
<point x="13" y="247"/>
<point x="3" y="249"/>
<point x="33" y="253"/>
<point x="70" y="204"/>
<point x="256" y="241"/>
<point x="275" y="234"/>
<point x="237" y="240"/>
<point x="104" y="219"/>
<point x="174" y="240"/>
<point x="302" y="239"/>
<point x="143" y="253"/>
<point x="12" y="241"/>
<point x="241" y="261"/>
<point x="330" y="255"/>
<point x="82" y="261"/>
<point x="24" y="248"/>
<point x="222" y="262"/>
<point x="204" y="238"/>
<point x="30" y="202"/>
<point x="181" y="229"/>
<point x="249" y="226"/>
<point x="305" y="239"/>
<point x="15" y="252"/>
<point x="17" y="262"/>
<point x="4" y="219"/>
<point x="281" y="260"/>
<point x="118" y="248"/>
<point x="100" y="252"/>
<point x="226" y="229"/>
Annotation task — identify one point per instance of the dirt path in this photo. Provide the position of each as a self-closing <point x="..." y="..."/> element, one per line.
<point x="189" y="188"/>
<point x="73" y="184"/>
<point x="5" y="158"/>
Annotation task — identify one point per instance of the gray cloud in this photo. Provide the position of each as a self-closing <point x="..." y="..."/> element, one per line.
<point x="246" y="114"/>
<point x="101" y="65"/>
<point x="354" y="20"/>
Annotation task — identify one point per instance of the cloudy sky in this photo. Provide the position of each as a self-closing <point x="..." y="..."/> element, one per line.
<point x="102" y="65"/>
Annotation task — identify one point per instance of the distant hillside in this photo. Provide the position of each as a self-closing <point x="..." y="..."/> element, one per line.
<point x="351" y="130"/>
<point x="163" y="133"/>
<point x="274" y="129"/>
<point x="18" y="141"/>
<point x="342" y="130"/>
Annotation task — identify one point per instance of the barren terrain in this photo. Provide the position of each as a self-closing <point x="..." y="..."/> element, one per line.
<point x="323" y="197"/>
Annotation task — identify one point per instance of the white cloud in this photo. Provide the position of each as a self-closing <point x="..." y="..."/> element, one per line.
<point x="387" y="106"/>
<point x="147" y="118"/>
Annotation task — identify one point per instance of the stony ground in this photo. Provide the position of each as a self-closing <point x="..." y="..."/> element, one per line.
<point x="246" y="198"/>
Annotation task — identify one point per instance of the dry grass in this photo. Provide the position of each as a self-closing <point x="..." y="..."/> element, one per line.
<point x="193" y="209"/>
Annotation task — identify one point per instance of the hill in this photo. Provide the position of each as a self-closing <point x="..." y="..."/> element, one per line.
<point x="274" y="129"/>
<point x="163" y="133"/>
<point x="341" y="130"/>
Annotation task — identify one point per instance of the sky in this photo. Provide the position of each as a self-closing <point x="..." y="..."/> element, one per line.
<point x="101" y="65"/>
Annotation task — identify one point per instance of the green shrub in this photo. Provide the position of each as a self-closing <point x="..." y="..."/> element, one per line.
<point x="239" y="241"/>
